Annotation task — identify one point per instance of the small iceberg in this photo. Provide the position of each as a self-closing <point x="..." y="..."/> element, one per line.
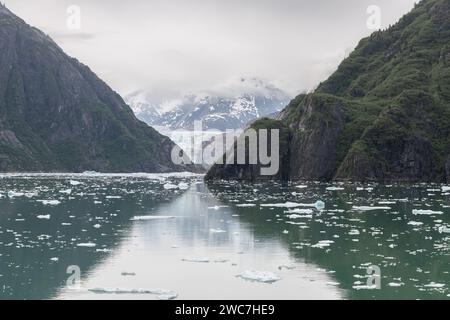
<point x="435" y="285"/>
<point x="335" y="189"/>
<point x="319" y="205"/>
<point x="75" y="183"/>
<point x="415" y="223"/>
<point x="143" y="218"/>
<point x="259" y="276"/>
<point x="49" y="202"/>
<point x="323" y="244"/>
<point x="426" y="212"/>
<point x="246" y="205"/>
<point x="216" y="231"/>
<point x="43" y="216"/>
<point x="13" y="194"/>
<point x="367" y="208"/>
<point x="183" y="186"/>
<point x="87" y="245"/>
<point x="197" y="260"/>
<point x="161" y="294"/>
<point x="444" y="229"/>
<point x="299" y="211"/>
<point x="170" y="186"/>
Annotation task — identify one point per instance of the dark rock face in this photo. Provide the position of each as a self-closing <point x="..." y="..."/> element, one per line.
<point x="384" y="115"/>
<point x="57" y="115"/>
<point x="252" y="172"/>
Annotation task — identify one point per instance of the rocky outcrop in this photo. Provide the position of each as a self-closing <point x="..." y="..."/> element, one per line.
<point x="57" y="115"/>
<point x="384" y="115"/>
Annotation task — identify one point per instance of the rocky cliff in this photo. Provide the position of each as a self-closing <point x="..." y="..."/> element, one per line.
<point x="384" y="115"/>
<point x="57" y="115"/>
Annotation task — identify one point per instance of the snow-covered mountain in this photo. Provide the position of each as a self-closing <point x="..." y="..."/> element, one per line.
<point x="230" y="106"/>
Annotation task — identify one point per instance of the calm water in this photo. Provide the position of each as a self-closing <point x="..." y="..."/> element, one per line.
<point x="171" y="236"/>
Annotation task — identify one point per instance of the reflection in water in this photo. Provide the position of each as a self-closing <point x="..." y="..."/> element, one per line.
<point x="172" y="236"/>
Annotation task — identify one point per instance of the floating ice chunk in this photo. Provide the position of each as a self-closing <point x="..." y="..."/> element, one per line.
<point x="320" y="205"/>
<point x="31" y="194"/>
<point x="198" y="260"/>
<point x="66" y="191"/>
<point x="302" y="186"/>
<point x="282" y="205"/>
<point x="217" y="231"/>
<point x="354" y="232"/>
<point x="49" y="202"/>
<point x="259" y="276"/>
<point x="13" y="194"/>
<point x="415" y="223"/>
<point x="300" y="216"/>
<point x="75" y="183"/>
<point x="365" y="287"/>
<point x="143" y="218"/>
<point x="445" y="189"/>
<point x="435" y="285"/>
<point x="299" y="211"/>
<point x="161" y="294"/>
<point x="103" y="250"/>
<point x="444" y="229"/>
<point x="246" y="205"/>
<point x="323" y="244"/>
<point x="54" y="259"/>
<point x="366" y="208"/>
<point x="395" y="284"/>
<point x="170" y="186"/>
<point x="183" y="186"/>
<point x="87" y="245"/>
<point x="217" y="207"/>
<point x="335" y="188"/>
<point x="426" y="212"/>
<point x="97" y="226"/>
<point x="43" y="216"/>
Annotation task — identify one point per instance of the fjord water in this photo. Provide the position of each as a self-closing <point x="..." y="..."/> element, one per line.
<point x="171" y="236"/>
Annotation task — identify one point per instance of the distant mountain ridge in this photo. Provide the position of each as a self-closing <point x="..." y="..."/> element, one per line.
<point x="232" y="107"/>
<point x="57" y="115"/>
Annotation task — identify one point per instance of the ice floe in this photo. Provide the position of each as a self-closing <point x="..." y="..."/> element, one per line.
<point x="259" y="276"/>
<point x="426" y="212"/>
<point x="143" y="218"/>
<point x="87" y="245"/>
<point x="369" y="208"/>
<point x="161" y="294"/>
<point x="49" y="202"/>
<point x="197" y="260"/>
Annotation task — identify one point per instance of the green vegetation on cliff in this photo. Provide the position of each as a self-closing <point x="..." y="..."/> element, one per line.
<point x="384" y="115"/>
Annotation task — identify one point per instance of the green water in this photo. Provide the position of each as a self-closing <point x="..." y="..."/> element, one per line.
<point x="203" y="242"/>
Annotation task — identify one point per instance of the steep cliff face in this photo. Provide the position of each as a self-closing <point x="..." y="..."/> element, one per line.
<point x="384" y="115"/>
<point x="57" y="115"/>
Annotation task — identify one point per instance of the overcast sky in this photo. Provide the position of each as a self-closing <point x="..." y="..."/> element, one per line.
<point x="172" y="46"/>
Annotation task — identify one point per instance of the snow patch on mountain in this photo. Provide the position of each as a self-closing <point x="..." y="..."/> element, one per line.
<point x="232" y="105"/>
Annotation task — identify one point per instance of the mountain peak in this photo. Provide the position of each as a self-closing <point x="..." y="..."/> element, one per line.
<point x="231" y="105"/>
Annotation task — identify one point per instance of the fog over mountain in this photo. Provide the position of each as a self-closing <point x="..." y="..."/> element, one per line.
<point x="178" y="46"/>
<point x="232" y="105"/>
